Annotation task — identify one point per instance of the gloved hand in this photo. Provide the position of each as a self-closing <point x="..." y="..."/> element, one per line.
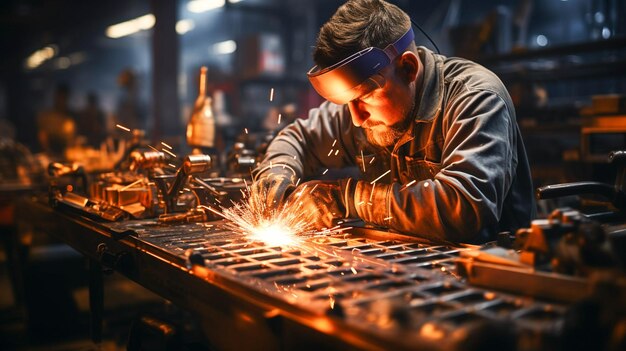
<point x="270" y="191"/>
<point x="324" y="200"/>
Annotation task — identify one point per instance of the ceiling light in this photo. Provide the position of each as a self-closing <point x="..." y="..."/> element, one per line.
<point x="40" y="56"/>
<point x="185" y="25"/>
<point x="542" y="40"/>
<point x="63" y="62"/>
<point x="131" y="27"/>
<point x="224" y="47"/>
<point x="199" y="6"/>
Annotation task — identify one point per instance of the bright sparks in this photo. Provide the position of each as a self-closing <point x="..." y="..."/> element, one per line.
<point x="363" y="161"/>
<point x="409" y="184"/>
<point x="273" y="225"/>
<point x="382" y="175"/>
<point x="169" y="152"/>
<point x="274" y="234"/>
<point x="122" y="127"/>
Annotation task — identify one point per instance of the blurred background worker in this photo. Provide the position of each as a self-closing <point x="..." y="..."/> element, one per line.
<point x="56" y="127"/>
<point x="435" y="138"/>
<point x="129" y="111"/>
<point x="91" y="123"/>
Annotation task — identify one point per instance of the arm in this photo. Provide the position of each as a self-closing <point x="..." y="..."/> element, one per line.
<point x="300" y="151"/>
<point x="304" y="145"/>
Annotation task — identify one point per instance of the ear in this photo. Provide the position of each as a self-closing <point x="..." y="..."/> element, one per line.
<point x="409" y="66"/>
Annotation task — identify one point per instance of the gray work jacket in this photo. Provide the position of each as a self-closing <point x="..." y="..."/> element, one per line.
<point x="464" y="152"/>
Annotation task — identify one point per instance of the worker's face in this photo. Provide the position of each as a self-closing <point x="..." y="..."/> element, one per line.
<point x="385" y="112"/>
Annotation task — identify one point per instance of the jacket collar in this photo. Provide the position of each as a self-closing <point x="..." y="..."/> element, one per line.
<point x="429" y="97"/>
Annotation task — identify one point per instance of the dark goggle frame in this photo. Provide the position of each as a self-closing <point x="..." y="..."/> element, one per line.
<point x="355" y="75"/>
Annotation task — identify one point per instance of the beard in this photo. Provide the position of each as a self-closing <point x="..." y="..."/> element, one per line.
<point x="379" y="134"/>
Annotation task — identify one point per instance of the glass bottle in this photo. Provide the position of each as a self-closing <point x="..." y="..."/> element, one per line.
<point x="201" y="125"/>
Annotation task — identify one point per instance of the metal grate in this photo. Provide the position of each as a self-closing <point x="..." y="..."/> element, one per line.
<point x="392" y="287"/>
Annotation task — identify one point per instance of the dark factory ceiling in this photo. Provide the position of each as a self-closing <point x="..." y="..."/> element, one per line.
<point x="26" y="26"/>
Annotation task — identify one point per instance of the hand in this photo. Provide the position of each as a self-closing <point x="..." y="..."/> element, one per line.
<point x="323" y="201"/>
<point x="270" y="191"/>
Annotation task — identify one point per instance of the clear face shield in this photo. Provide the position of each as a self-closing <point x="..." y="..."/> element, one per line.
<point x="357" y="74"/>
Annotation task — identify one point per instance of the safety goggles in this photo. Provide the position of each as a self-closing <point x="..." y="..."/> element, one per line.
<point x="357" y="75"/>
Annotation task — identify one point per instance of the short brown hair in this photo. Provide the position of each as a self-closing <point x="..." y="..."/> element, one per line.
<point x="356" y="25"/>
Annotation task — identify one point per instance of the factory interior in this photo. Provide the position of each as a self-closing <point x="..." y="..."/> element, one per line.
<point x="135" y="136"/>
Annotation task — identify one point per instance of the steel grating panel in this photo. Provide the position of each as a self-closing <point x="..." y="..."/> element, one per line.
<point x="389" y="287"/>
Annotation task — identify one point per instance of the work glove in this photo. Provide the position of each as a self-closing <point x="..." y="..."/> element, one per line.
<point x="322" y="201"/>
<point x="269" y="191"/>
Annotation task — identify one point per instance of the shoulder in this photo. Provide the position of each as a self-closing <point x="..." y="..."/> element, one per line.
<point x="329" y="113"/>
<point x="462" y="73"/>
<point x="329" y="109"/>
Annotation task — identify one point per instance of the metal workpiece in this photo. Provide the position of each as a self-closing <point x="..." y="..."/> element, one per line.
<point x="133" y="193"/>
<point x="367" y="289"/>
<point x="194" y="164"/>
<point x="146" y="160"/>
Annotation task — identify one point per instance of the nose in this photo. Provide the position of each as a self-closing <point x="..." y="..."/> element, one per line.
<point x="359" y="115"/>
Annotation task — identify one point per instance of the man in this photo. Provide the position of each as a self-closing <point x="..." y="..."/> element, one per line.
<point x="435" y="138"/>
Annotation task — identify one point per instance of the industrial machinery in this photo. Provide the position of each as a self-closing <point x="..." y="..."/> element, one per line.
<point x="143" y="185"/>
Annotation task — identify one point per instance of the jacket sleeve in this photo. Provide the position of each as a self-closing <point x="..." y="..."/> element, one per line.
<point x="466" y="196"/>
<point x="308" y="146"/>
